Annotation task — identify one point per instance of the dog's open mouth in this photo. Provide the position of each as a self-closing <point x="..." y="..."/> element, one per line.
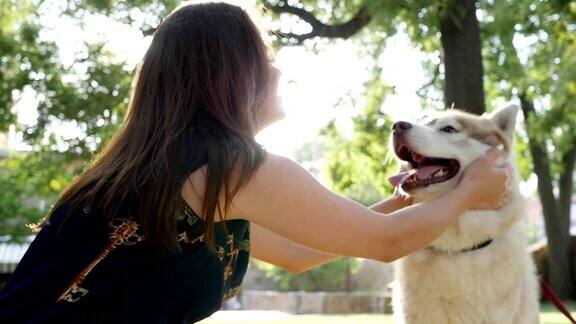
<point x="424" y="170"/>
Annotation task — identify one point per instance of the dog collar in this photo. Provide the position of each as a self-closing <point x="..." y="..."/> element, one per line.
<point x="470" y="249"/>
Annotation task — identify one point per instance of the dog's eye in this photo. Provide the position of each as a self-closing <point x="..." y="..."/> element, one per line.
<point x="448" y="129"/>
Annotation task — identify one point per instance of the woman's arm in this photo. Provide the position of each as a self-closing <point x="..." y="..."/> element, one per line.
<point x="285" y="199"/>
<point x="270" y="247"/>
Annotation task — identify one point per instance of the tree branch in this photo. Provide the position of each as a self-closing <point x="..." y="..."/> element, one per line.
<point x="319" y="29"/>
<point x="435" y="74"/>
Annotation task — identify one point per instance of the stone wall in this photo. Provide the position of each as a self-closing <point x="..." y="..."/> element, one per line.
<point x="371" y="276"/>
<point x="299" y="302"/>
<point x="256" y="280"/>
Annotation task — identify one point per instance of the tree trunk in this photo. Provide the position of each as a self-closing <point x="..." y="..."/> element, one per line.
<point x="556" y="213"/>
<point x="566" y="185"/>
<point x="460" y="38"/>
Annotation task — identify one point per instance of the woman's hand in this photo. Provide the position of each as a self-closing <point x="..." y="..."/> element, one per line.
<point x="483" y="185"/>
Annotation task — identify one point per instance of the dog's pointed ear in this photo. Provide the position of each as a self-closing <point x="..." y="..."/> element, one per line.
<point x="505" y="119"/>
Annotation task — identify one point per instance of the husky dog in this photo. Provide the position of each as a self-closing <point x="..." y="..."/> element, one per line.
<point x="478" y="270"/>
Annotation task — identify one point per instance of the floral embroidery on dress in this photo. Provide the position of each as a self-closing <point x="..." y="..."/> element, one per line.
<point x="185" y="237"/>
<point x="187" y="214"/>
<point x="124" y="232"/>
<point x="127" y="232"/>
<point x="74" y="294"/>
<point x="229" y="268"/>
<point x="244" y="245"/>
<point x="227" y="252"/>
<point x="231" y="293"/>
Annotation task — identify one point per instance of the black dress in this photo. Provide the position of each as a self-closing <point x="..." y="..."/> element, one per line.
<point x="126" y="280"/>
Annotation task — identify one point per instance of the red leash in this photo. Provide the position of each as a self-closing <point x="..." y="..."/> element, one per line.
<point x="555" y="300"/>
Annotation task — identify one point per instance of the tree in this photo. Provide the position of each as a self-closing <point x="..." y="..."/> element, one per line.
<point x="360" y="165"/>
<point x="451" y="25"/>
<point x="461" y="48"/>
<point x="27" y="181"/>
<point x="542" y="81"/>
<point x="25" y="61"/>
<point x="91" y="95"/>
<point x="542" y="75"/>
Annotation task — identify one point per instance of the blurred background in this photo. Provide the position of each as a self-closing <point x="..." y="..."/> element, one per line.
<point x="349" y="69"/>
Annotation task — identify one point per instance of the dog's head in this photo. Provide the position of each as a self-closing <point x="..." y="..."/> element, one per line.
<point x="434" y="153"/>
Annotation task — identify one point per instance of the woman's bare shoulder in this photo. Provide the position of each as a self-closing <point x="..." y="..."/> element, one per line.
<point x="277" y="172"/>
<point x="278" y="183"/>
<point x="276" y="165"/>
<point x="274" y="170"/>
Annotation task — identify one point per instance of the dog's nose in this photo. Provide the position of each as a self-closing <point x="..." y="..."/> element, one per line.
<point x="401" y="126"/>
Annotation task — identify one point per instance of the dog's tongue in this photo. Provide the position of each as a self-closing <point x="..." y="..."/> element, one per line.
<point x="421" y="173"/>
<point x="399" y="178"/>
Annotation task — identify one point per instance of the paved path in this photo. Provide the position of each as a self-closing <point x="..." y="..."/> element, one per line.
<point x="249" y="315"/>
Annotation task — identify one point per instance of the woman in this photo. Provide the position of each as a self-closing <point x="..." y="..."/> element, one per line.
<point x="158" y="229"/>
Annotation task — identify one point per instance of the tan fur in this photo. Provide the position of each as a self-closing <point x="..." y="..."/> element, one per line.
<point x="478" y="128"/>
<point x="483" y="130"/>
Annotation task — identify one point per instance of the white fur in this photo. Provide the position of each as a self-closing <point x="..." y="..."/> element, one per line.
<point x="495" y="284"/>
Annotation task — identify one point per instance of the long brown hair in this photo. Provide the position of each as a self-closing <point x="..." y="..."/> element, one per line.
<point x="206" y="73"/>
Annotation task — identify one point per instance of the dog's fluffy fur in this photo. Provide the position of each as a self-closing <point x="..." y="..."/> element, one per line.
<point x="493" y="284"/>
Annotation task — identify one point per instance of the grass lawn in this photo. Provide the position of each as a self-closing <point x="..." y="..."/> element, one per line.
<point x="548" y="314"/>
<point x="311" y="319"/>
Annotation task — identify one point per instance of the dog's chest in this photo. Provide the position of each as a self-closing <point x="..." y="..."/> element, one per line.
<point x="471" y="285"/>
